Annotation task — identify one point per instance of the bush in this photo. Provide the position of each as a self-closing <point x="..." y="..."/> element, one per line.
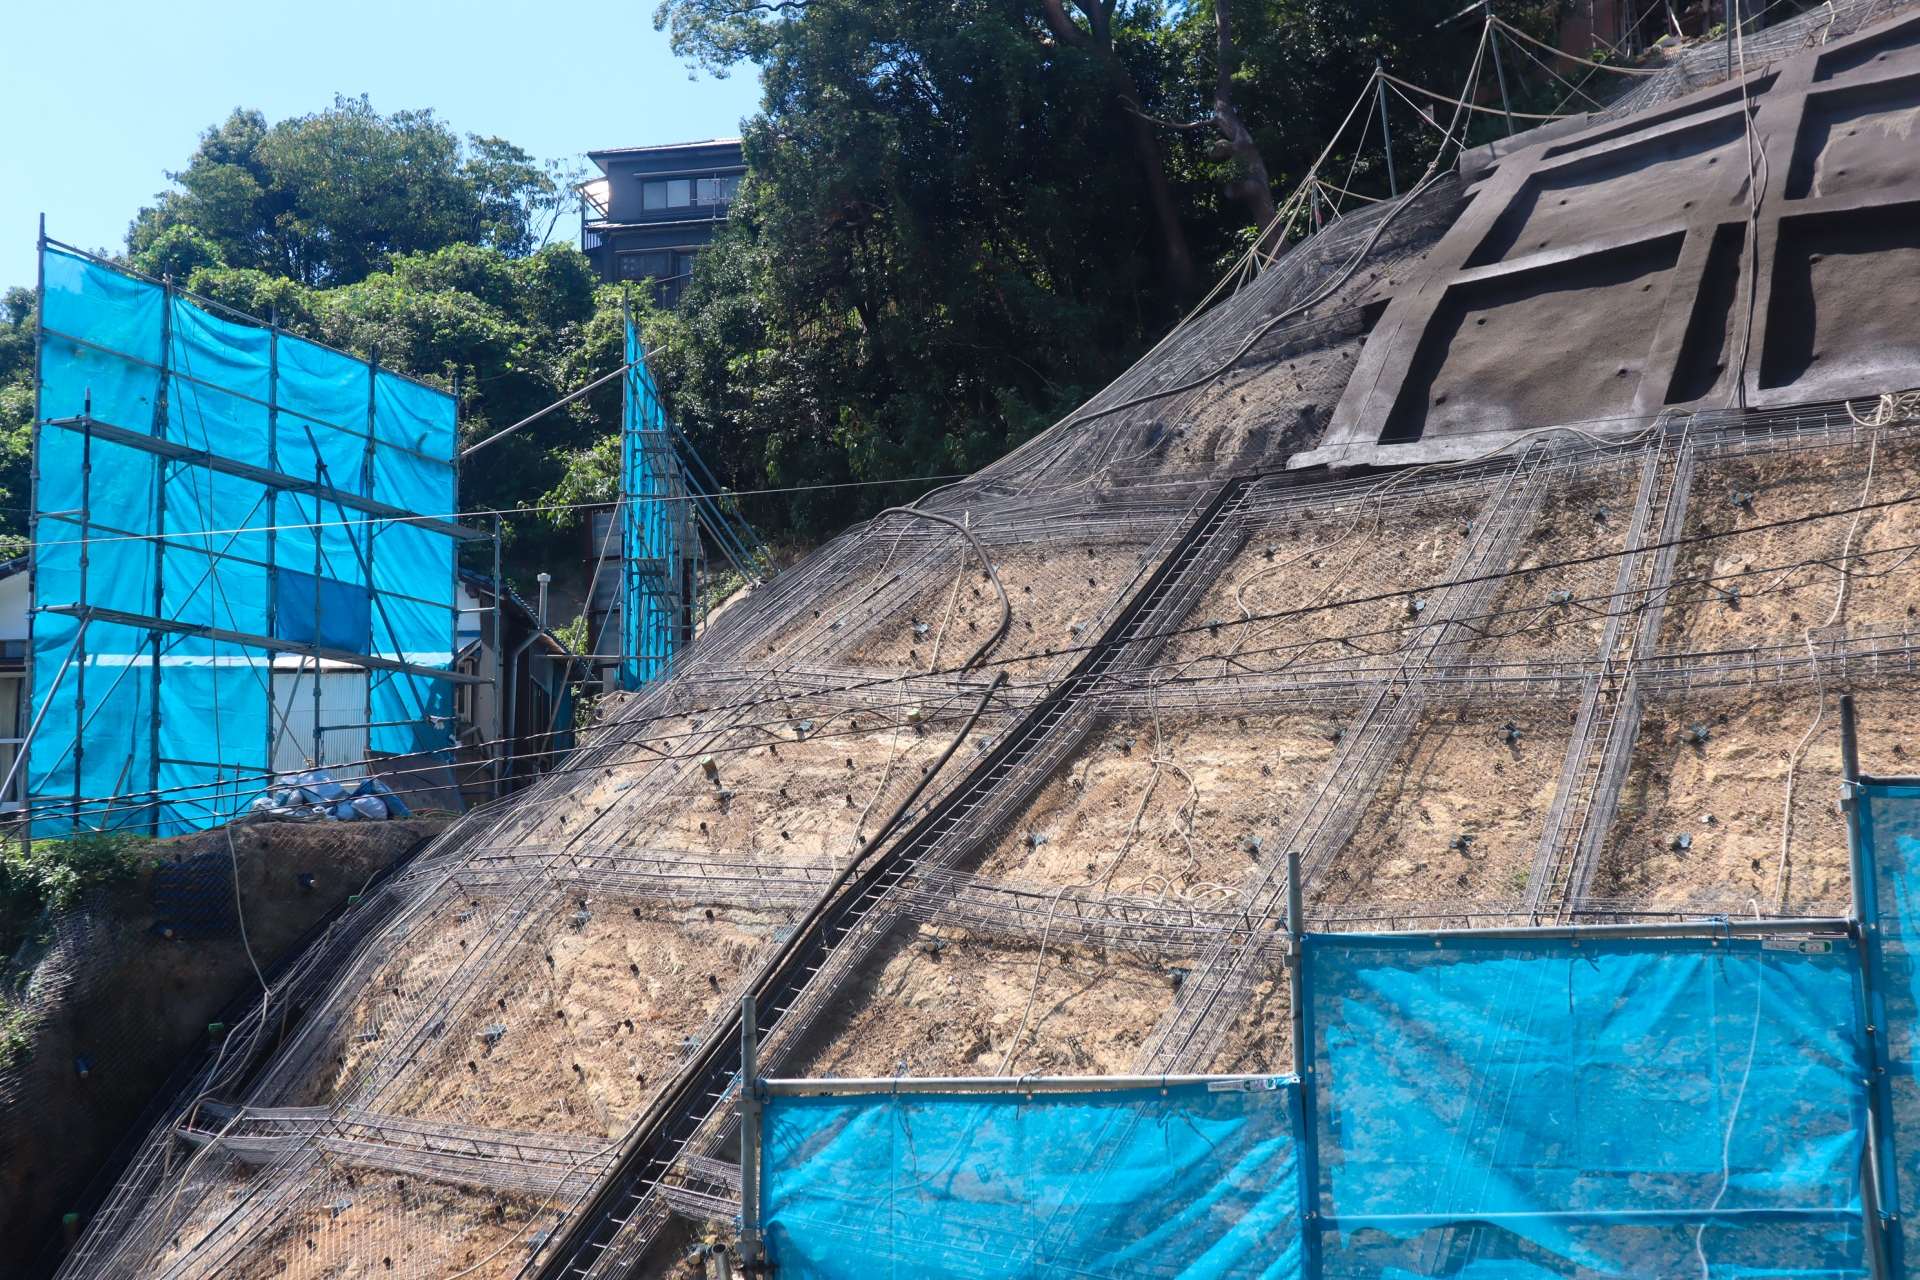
<point x="56" y="874"/>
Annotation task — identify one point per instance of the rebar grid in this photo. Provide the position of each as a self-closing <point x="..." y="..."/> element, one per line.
<point x="1327" y="670"/>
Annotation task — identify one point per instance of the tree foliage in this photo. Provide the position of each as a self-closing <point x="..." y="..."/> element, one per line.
<point x="959" y="221"/>
<point x="936" y="253"/>
<point x="18" y="312"/>
<point x="325" y="199"/>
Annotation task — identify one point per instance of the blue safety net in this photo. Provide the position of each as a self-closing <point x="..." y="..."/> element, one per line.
<point x="658" y="541"/>
<point x="154" y="729"/>
<point x="1890" y="845"/>
<point x="1196" y="1181"/>
<point x="1656" y="1108"/>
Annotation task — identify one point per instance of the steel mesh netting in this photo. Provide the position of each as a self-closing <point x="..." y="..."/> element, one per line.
<point x="620" y="829"/>
<point x="1709" y="62"/>
<point x="804" y="696"/>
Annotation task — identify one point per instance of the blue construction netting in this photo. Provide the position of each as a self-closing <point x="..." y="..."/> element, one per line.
<point x="151" y="729"/>
<point x="1193" y="1181"/>
<point x="1890" y="846"/>
<point x="1502" y="1108"/>
<point x="659" y="546"/>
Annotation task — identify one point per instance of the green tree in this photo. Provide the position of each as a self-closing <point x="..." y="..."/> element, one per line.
<point x="937" y="251"/>
<point x="326" y="198"/>
<point x="18" y="320"/>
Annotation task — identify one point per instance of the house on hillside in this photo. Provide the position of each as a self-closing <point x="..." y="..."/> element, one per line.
<point x="656" y="208"/>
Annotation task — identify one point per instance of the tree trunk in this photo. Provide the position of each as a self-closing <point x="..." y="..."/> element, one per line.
<point x="1172" y="263"/>
<point x="1256" y="188"/>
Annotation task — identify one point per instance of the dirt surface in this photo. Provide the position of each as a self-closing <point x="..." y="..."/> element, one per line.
<point x="355" y="1224"/>
<point x="1269" y="411"/>
<point x="1529" y="616"/>
<point x="954" y="1008"/>
<point x="1058" y="594"/>
<point x="1460" y="812"/>
<point x="1296" y="566"/>
<point x="1260" y="1042"/>
<point x="584" y="1021"/>
<point x="1738" y="780"/>
<point x="1193" y="793"/>
<point x="140" y="1000"/>
<point x="799" y="784"/>
<point x="1775" y="584"/>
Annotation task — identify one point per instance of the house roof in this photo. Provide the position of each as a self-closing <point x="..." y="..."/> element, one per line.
<point x="611" y="152"/>
<point x="482" y="586"/>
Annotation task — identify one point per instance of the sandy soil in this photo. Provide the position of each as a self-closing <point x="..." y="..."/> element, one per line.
<point x="593" y="1016"/>
<point x="1738" y="779"/>
<point x="1457" y="777"/>
<point x="1053" y="589"/>
<point x="1260" y="1042"/>
<point x="1218" y="783"/>
<point x="1313" y="555"/>
<point x="957" y="1010"/>
<point x="358" y="1224"/>
<point x="1268" y="412"/>
<point x="1781" y="592"/>
<point x="1579" y="520"/>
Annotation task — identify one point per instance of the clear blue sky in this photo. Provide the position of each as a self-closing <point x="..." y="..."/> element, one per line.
<point x="105" y="97"/>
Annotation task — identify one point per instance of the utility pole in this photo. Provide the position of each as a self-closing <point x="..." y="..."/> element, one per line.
<point x="1380" y="83"/>
<point x="1499" y="67"/>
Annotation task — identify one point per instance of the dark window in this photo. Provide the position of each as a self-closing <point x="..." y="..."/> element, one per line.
<point x="650" y="265"/>
<point x="716" y="191"/>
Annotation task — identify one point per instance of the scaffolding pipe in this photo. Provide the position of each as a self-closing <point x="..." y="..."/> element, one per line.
<point x="752" y="1249"/>
<point x="1296" y="984"/>
<point x="20" y="755"/>
<point x="1001" y="1084"/>
<point x="1872" y="1182"/>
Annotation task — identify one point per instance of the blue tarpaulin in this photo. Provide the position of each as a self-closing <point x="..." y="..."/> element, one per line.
<point x="1679" y="1107"/>
<point x="657" y="538"/>
<point x="1190" y="1181"/>
<point x="1890" y="840"/>
<point x="167" y="732"/>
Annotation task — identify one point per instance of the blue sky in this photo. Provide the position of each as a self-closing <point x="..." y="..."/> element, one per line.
<point x="105" y="97"/>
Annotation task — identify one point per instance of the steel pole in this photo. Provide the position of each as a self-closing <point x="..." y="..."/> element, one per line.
<point x="1866" y="929"/>
<point x="1386" y="136"/>
<point x="1296" y="999"/>
<point x="1499" y="67"/>
<point x="752" y="1248"/>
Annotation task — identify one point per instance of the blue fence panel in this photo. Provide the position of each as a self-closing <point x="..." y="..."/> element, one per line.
<point x="1890" y="844"/>
<point x="1622" y="1108"/>
<point x="1195" y="1181"/>
<point x="192" y="545"/>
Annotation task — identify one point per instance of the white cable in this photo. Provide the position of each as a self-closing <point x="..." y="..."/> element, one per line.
<point x="1793" y="759"/>
<point x="1733" y="1119"/>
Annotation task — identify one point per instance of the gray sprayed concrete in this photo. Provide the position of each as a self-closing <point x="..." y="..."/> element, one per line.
<point x="1754" y="245"/>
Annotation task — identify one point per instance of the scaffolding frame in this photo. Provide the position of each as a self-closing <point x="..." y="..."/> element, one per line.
<point x="333" y="508"/>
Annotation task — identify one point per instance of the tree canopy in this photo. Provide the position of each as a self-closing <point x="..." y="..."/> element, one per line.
<point x="324" y="199"/>
<point x="959" y="221"/>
